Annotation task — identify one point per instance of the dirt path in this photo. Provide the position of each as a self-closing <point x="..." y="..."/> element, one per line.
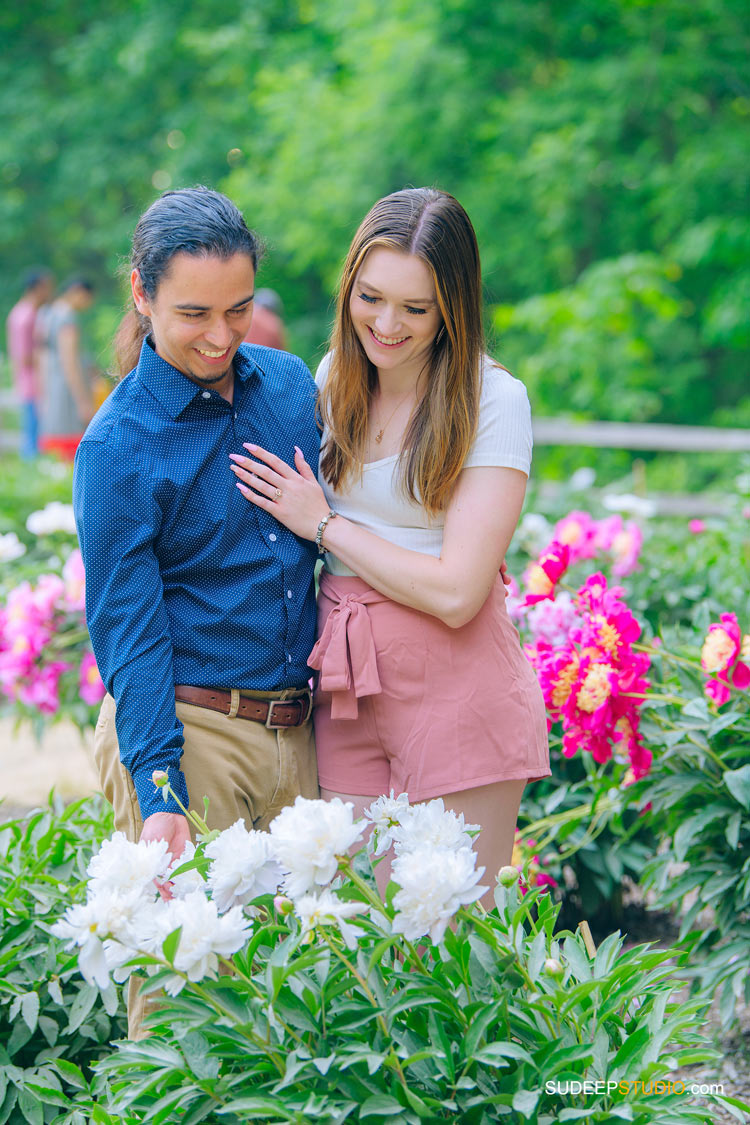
<point x="29" y="769"/>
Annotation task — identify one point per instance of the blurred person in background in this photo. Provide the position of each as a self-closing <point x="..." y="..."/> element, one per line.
<point x="67" y="398"/>
<point x="267" y="327"/>
<point x="23" y="352"/>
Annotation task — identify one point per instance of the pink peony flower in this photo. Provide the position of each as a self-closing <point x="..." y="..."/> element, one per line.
<point x="696" y="527"/>
<point x="723" y="657"/>
<point x="577" y="531"/>
<point x="626" y="548"/>
<point x="542" y="576"/>
<point x="74" y="578"/>
<point x="90" y="686"/>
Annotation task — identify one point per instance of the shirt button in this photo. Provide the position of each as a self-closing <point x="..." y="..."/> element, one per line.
<point x="206" y="394"/>
<point x="236" y="414"/>
<point x="272" y="537"/>
<point x="289" y="593"/>
<point x="289" y="658"/>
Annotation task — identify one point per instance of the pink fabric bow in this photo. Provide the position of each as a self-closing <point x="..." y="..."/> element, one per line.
<point x="345" y="651"/>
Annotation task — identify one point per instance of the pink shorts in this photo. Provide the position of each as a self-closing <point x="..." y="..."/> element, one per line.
<point x="406" y="703"/>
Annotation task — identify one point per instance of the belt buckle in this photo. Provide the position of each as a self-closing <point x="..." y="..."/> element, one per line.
<point x="271" y="725"/>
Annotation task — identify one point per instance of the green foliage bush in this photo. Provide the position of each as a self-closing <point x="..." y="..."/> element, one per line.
<point x="53" y="1026"/>
<point x="472" y="1030"/>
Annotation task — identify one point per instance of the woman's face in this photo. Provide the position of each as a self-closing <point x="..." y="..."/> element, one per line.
<point x="394" y="310"/>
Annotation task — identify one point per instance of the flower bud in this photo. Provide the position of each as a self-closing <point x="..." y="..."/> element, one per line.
<point x="507" y="876"/>
<point x="160" y="778"/>
<point x="553" y="968"/>
<point x="283" y="905"/>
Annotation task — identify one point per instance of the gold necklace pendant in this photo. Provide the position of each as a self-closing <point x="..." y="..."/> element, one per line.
<point x="378" y="437"/>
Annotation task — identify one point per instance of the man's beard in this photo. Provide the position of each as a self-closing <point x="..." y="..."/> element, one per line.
<point x="209" y="380"/>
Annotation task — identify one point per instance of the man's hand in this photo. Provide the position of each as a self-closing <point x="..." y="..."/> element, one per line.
<point x="172" y="827"/>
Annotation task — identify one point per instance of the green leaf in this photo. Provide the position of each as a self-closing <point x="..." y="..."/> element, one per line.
<point x="525" y="1101"/>
<point x="72" y="1074"/>
<point x="738" y="784"/>
<point x="81" y="1006"/>
<point x="171" y="944"/>
<point x="733" y="830"/>
<point x="634" y="1044"/>
<point x="30" y="1009"/>
<point x="496" y="1053"/>
<point x="380" y="1105"/>
<point x="31" y="1108"/>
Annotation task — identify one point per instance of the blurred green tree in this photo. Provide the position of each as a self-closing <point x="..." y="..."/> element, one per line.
<point x="600" y="147"/>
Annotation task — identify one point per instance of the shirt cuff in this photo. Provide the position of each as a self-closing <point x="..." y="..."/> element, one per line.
<point x="151" y="798"/>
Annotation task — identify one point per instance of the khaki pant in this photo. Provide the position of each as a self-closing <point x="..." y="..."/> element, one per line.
<point x="247" y="772"/>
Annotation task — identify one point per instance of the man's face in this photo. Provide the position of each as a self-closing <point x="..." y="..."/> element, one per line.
<point x="200" y="314"/>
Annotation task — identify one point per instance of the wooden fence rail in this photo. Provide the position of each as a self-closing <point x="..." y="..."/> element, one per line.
<point x="641" y="435"/>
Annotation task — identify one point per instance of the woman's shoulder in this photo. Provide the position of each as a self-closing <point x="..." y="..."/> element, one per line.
<point x="499" y="386"/>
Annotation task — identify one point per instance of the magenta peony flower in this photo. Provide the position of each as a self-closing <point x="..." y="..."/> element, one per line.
<point x="593" y="682"/>
<point x="542" y="576"/>
<point x="696" y="527"/>
<point x="723" y="659"/>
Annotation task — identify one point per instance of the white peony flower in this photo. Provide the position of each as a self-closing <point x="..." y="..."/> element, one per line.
<point x="53" y="517"/>
<point x="582" y="479"/>
<point x="189" y="880"/>
<point x="108" y="914"/>
<point x="627" y="502"/>
<point x="308" y="839"/>
<point x="123" y="866"/>
<point x="11" y="547"/>
<point x="327" y="909"/>
<point x="243" y="867"/>
<point x="386" y="814"/>
<point x="205" y="936"/>
<point x="433" y="883"/>
<point x="430" y="825"/>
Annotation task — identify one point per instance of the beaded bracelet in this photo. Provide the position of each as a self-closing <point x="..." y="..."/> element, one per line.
<point x="321" y="528"/>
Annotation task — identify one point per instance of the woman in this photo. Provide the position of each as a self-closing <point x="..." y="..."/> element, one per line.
<point x="426" y="452"/>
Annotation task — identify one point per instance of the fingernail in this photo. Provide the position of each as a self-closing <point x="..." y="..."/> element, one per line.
<point x="247" y="445"/>
<point x="298" y="450"/>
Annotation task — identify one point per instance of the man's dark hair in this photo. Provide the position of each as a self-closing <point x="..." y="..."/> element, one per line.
<point x="76" y="281"/>
<point x="195" y="221"/>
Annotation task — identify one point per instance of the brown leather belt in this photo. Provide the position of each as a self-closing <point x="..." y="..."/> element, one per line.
<point x="274" y="713"/>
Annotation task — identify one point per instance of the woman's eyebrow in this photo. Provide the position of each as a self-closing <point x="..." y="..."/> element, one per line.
<point x="408" y="301"/>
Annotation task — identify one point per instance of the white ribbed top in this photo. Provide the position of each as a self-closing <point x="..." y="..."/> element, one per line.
<point x="377" y="503"/>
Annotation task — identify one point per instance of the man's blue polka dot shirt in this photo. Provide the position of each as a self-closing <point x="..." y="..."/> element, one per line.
<point x="186" y="581"/>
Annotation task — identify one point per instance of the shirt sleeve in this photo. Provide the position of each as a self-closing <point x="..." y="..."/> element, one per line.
<point x="118" y="518"/>
<point x="504" y="436"/>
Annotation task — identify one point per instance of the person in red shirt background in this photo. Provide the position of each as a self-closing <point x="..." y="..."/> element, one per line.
<point x="23" y="352"/>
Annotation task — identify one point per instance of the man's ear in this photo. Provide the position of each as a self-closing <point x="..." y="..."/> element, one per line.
<point x="139" y="297"/>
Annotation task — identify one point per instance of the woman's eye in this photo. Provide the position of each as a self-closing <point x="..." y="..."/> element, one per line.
<point x="365" y="297"/>
<point x="417" y="312"/>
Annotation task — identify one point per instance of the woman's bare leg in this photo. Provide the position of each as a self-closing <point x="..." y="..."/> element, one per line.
<point x="495" y="808"/>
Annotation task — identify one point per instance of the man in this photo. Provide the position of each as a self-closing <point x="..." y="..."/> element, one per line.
<point x="67" y="404"/>
<point x="24" y="355"/>
<point x="201" y="609"/>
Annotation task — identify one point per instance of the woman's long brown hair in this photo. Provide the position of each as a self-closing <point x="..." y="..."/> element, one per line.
<point x="433" y="226"/>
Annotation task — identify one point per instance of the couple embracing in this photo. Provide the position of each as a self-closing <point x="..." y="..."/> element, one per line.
<point x="216" y="474"/>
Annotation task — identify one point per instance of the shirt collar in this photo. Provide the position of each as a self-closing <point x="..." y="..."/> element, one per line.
<point x="173" y="389"/>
